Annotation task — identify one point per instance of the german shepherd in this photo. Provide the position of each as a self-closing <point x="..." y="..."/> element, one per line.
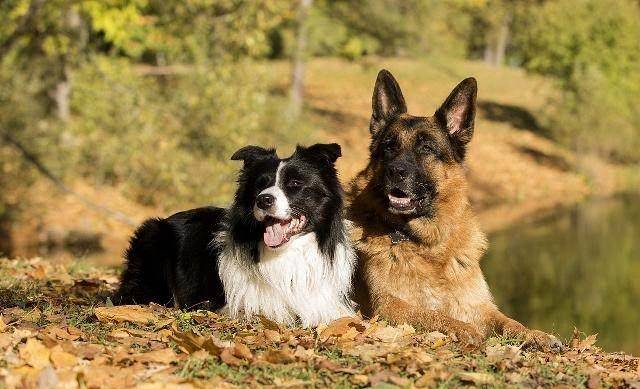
<point x="417" y="238"/>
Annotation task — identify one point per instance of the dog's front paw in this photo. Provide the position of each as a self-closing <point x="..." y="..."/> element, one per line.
<point x="465" y="334"/>
<point x="544" y="341"/>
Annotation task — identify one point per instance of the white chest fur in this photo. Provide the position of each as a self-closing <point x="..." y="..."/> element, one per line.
<point x="293" y="281"/>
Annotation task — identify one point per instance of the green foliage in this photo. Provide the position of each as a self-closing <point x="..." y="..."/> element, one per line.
<point x="163" y="139"/>
<point x="161" y="92"/>
<point x="592" y="48"/>
<point x="168" y="140"/>
<point x="352" y="29"/>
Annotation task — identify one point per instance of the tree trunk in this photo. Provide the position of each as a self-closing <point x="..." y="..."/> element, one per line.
<point x="299" y="56"/>
<point x="497" y="40"/>
<point x="489" y="50"/>
<point x="502" y="40"/>
<point x="61" y="95"/>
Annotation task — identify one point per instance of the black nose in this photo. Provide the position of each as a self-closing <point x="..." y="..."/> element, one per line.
<point x="398" y="172"/>
<point x="265" y="201"/>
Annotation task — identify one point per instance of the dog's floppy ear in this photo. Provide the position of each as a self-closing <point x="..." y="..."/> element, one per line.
<point x="249" y="154"/>
<point x="326" y="152"/>
<point x="387" y="101"/>
<point x="457" y="114"/>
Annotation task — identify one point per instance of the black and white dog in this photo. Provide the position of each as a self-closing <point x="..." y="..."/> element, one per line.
<point x="281" y="250"/>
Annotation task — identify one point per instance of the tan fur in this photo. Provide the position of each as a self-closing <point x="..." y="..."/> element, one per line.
<point x="435" y="282"/>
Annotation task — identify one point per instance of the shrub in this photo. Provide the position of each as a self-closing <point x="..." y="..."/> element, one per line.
<point x="592" y="48"/>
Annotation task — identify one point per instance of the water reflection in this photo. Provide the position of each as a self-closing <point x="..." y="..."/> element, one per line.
<point x="579" y="267"/>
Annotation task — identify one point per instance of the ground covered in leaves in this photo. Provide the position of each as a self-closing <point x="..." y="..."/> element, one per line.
<point x="59" y="329"/>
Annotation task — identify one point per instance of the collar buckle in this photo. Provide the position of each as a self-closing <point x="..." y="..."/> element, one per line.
<point x="397" y="237"/>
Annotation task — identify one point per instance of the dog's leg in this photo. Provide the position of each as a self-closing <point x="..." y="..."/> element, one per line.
<point x="501" y="324"/>
<point x="397" y="311"/>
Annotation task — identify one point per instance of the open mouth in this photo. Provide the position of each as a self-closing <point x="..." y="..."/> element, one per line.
<point x="400" y="201"/>
<point x="278" y="231"/>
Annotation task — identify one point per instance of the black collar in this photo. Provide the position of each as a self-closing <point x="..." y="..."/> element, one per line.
<point x="398" y="236"/>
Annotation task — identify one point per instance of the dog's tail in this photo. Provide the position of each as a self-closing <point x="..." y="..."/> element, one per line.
<point x="150" y="255"/>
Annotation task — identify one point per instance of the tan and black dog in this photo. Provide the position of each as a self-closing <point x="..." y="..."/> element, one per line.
<point x="418" y="241"/>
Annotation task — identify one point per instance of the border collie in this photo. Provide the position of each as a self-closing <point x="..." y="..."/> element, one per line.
<point x="281" y="250"/>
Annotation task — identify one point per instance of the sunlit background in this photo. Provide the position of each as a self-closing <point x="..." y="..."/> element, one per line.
<point x="116" y="110"/>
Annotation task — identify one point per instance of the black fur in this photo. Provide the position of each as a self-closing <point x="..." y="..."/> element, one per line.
<point x="177" y="257"/>
<point x="174" y="256"/>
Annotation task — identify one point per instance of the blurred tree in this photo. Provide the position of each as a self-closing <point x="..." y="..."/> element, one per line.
<point x="388" y="27"/>
<point x="51" y="38"/>
<point x="58" y="55"/>
<point x="299" y="56"/>
<point x="492" y="24"/>
<point x="592" y="48"/>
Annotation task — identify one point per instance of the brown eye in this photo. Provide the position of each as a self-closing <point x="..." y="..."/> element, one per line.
<point x="389" y="145"/>
<point x="425" y="149"/>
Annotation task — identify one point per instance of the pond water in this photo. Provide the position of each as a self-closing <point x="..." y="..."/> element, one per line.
<point x="579" y="267"/>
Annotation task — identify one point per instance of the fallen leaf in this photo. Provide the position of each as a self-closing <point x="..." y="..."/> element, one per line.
<point x="383" y="376"/>
<point x="281" y="356"/>
<point x="421" y="356"/>
<point x="35" y="354"/>
<point x="87" y="350"/>
<point x="328" y="365"/>
<point x="400" y="381"/>
<point x="227" y="357"/>
<point x="12" y="314"/>
<point x="272" y="336"/>
<point x="119" y="333"/>
<point x="5" y="340"/>
<point x="368" y="352"/>
<point x="125" y="313"/>
<point x="189" y="342"/>
<point x="428" y="379"/>
<point x="213" y="345"/>
<point x="341" y="327"/>
<point x="498" y="353"/>
<point x="164" y="356"/>
<point x="163" y="323"/>
<point x="268" y="323"/>
<point x="594" y="381"/>
<point x="514" y="378"/>
<point x="32" y="316"/>
<point x="477" y="378"/>
<point x="391" y="334"/>
<point x="38" y="273"/>
<point x="65" y="333"/>
<point x="60" y="358"/>
<point x="242" y="351"/>
<point x="47" y="378"/>
<point x="587" y="342"/>
<point x="360" y="379"/>
<point x="200" y="354"/>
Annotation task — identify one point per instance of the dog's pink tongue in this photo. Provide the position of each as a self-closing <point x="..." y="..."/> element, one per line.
<point x="274" y="235"/>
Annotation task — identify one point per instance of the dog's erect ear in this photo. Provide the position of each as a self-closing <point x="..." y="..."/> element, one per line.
<point x="249" y="154"/>
<point x="457" y="114"/>
<point x="328" y="153"/>
<point x="387" y="100"/>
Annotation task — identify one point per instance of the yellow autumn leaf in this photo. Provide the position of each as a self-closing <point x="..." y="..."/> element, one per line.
<point x="60" y="358"/>
<point x="35" y="354"/>
<point x="122" y="313"/>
